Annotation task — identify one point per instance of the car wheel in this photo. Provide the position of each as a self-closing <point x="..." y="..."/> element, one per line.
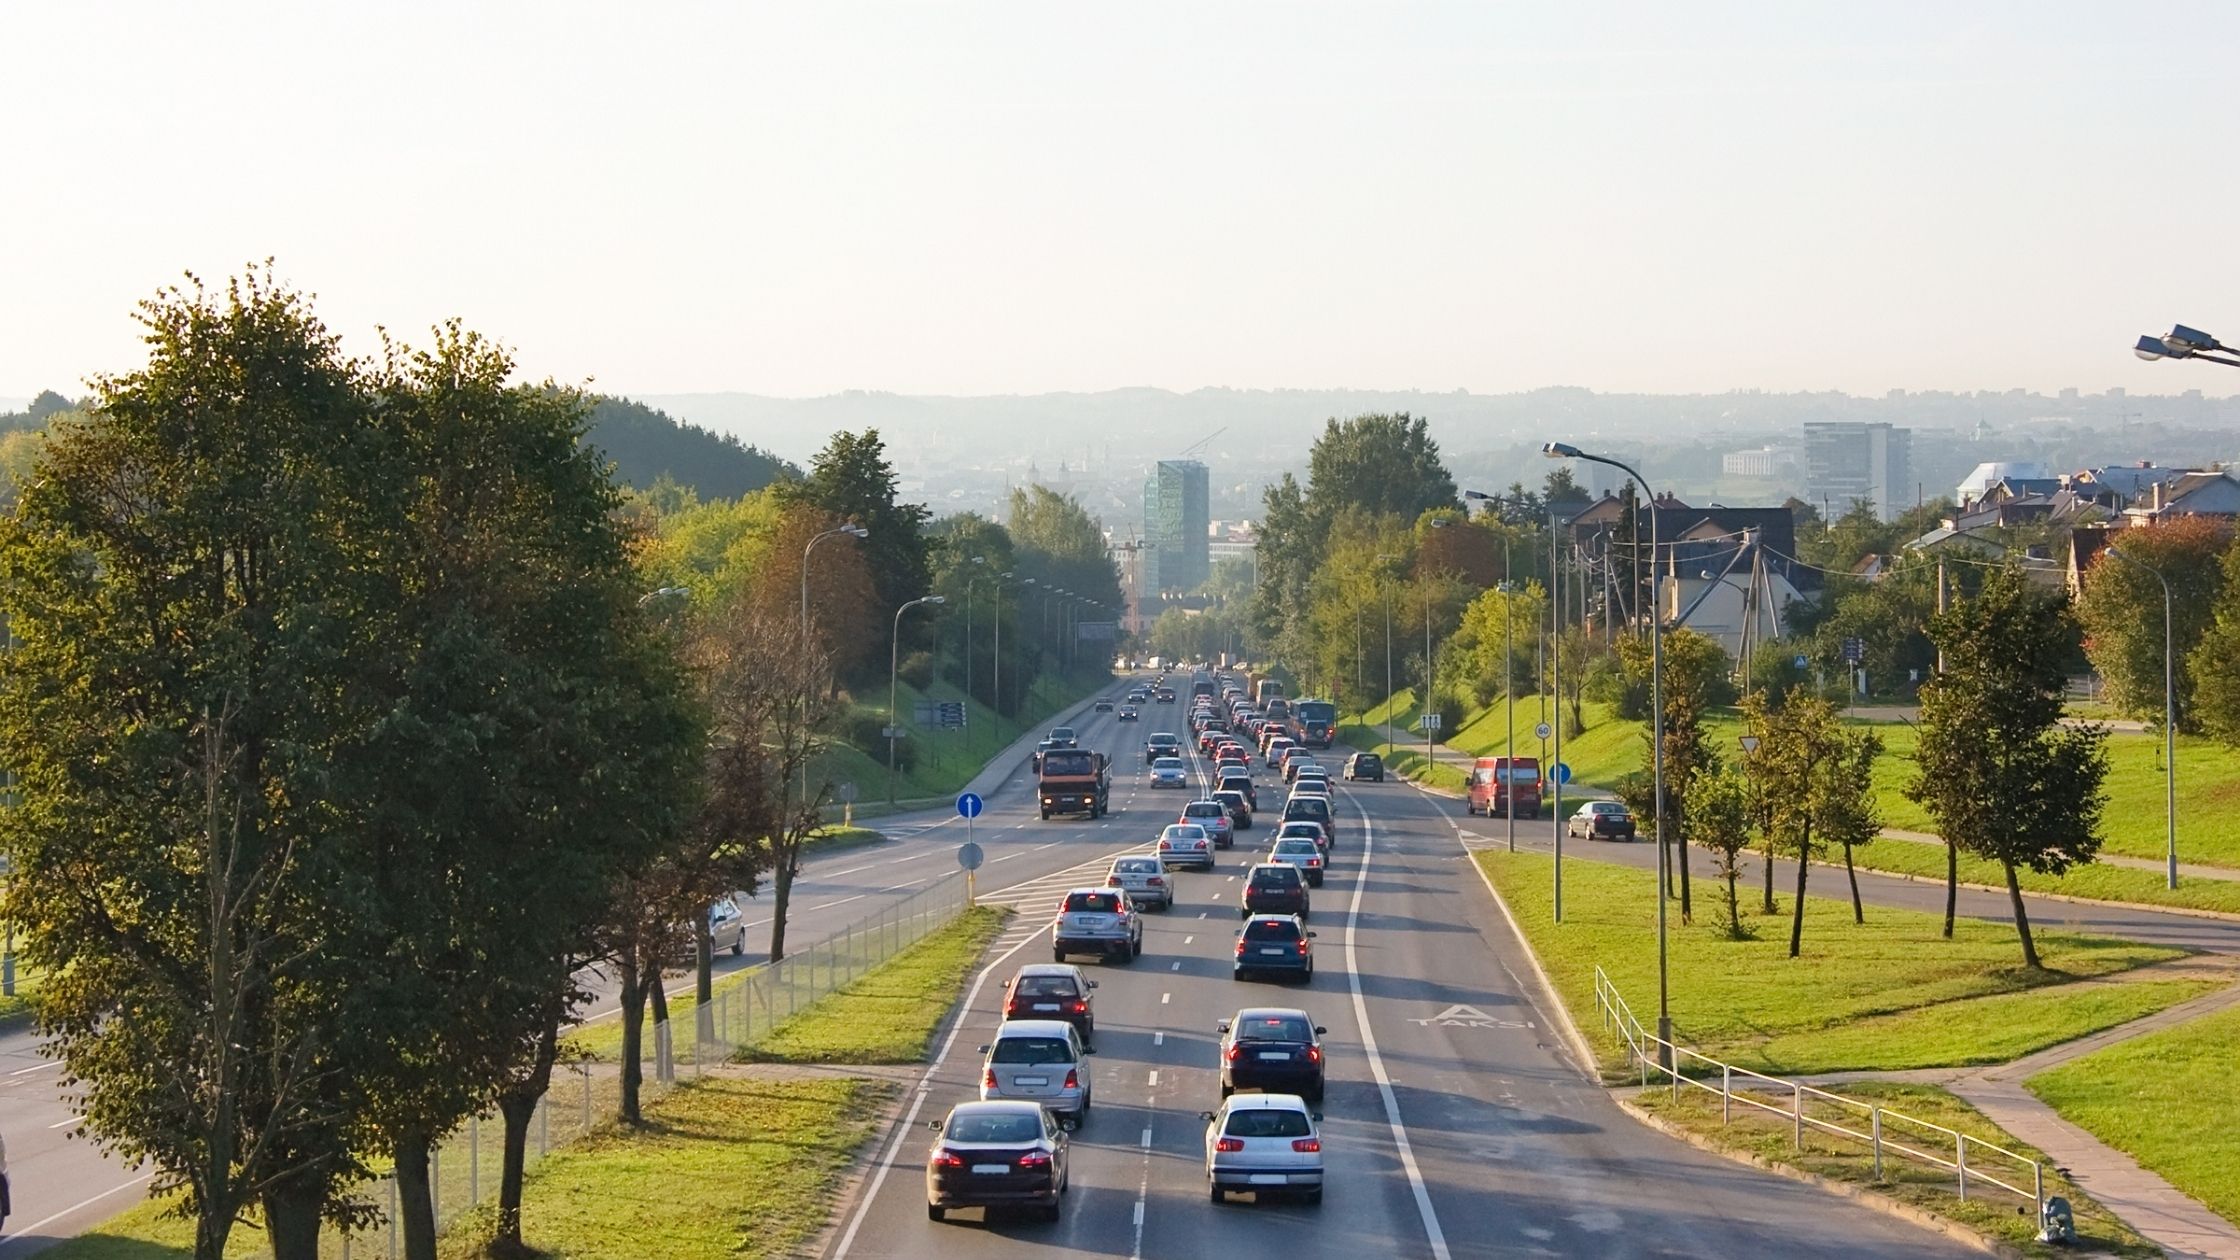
<point x="1236" y="973"/>
<point x="1314" y="1198"/>
<point x="1217" y="1196"/>
<point x="739" y="945"/>
<point x="1309" y="977"/>
<point x="935" y="1212"/>
<point x="1227" y="1089"/>
<point x="1057" y="955"/>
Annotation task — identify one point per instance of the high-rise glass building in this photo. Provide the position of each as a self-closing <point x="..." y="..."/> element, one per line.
<point x="1846" y="461"/>
<point x="1176" y="517"/>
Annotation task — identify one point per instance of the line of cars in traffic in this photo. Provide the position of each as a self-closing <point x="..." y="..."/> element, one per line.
<point x="1010" y="1148"/>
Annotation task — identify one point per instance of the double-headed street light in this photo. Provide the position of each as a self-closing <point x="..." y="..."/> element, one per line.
<point x="2187" y="343"/>
<point x="2169" y="716"/>
<point x="1564" y="450"/>
<point x="894" y="673"/>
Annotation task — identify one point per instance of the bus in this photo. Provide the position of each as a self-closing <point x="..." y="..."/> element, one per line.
<point x="1265" y="690"/>
<point x="1317" y="721"/>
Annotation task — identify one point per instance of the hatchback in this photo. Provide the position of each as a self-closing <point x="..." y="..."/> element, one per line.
<point x="1267" y="1143"/>
<point x="1271" y="1048"/>
<point x="1145" y="878"/>
<point x="1240" y="809"/>
<point x="1305" y="827"/>
<point x="1053" y="991"/>
<point x="1299" y="852"/>
<point x="1038" y="1060"/>
<point x="727" y="928"/>
<point x="1365" y="766"/>
<point x="1275" y="888"/>
<point x="1186" y="844"/>
<point x="996" y="1154"/>
<point x="1214" y="817"/>
<point x="1237" y="780"/>
<point x="1275" y="942"/>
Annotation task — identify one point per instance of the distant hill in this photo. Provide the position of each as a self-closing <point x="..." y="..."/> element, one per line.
<point x="646" y="443"/>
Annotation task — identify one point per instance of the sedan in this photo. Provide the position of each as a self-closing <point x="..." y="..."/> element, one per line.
<point x="1311" y="830"/>
<point x="1103" y="706"/>
<point x="1146" y="880"/>
<point x="996" y="1154"/>
<point x="1601" y="820"/>
<point x="1265" y="1143"/>
<point x="1302" y="853"/>
<point x="1271" y="1048"/>
<point x="1186" y="844"/>
<point x="1168" y="772"/>
<point x="1128" y="714"/>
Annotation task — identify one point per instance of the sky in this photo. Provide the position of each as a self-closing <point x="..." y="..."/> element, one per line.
<point x="797" y="199"/>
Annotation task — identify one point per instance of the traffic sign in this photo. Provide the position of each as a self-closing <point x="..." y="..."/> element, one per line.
<point x="1854" y="649"/>
<point x="1563" y="772"/>
<point x="969" y="856"/>
<point x="1542" y="731"/>
<point x="969" y="805"/>
<point x="1431" y="721"/>
<point x="846" y="792"/>
<point x="1802" y="661"/>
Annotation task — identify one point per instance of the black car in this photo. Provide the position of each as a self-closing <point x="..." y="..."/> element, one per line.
<point x="1310" y="809"/>
<point x="1274" y="943"/>
<point x="1240" y="808"/>
<point x="1271" y="1048"/>
<point x="1053" y="991"/>
<point x="1000" y="1153"/>
<point x="1103" y="706"/>
<point x="1365" y="766"/>
<point x="1034" y="763"/>
<point x="1162" y="744"/>
<point x="1275" y="889"/>
<point x="1240" y="781"/>
<point x="1062" y="737"/>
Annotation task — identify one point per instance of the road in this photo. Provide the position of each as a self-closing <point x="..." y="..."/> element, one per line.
<point x="1449" y="1133"/>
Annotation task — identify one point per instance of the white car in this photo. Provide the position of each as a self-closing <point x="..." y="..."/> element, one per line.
<point x="1168" y="772"/>
<point x="1309" y="829"/>
<point x="1146" y="879"/>
<point x="1269" y="1144"/>
<point x="1301" y="852"/>
<point x="1186" y="844"/>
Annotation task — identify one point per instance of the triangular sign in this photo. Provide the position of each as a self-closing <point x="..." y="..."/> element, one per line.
<point x="1465" y="1013"/>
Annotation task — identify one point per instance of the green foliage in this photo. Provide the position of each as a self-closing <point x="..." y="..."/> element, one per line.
<point x="1890" y="618"/>
<point x="2121" y="610"/>
<point x="851" y="480"/>
<point x="1811" y="785"/>
<point x="1718" y="820"/>
<point x="646" y="446"/>
<point x="2216" y="684"/>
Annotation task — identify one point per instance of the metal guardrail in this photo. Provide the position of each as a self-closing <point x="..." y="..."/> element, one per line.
<point x="1911" y="1139"/>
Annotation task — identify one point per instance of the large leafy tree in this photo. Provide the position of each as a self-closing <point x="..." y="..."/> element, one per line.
<point x="1809" y="777"/>
<point x="1059" y="545"/>
<point x="2002" y="774"/>
<point x="852" y="479"/>
<point x="2216" y="684"/>
<point x="2120" y="608"/>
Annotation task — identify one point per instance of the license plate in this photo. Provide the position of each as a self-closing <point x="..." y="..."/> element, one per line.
<point x="1275" y="1054"/>
<point x="1275" y="951"/>
<point x="1046" y="1006"/>
<point x="991" y="1170"/>
<point x="1030" y="1080"/>
<point x="1269" y="1179"/>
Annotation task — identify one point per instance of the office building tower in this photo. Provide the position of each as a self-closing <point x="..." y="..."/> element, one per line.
<point x="1176" y="515"/>
<point x="1846" y="461"/>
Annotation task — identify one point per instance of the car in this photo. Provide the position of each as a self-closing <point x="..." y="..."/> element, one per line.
<point x="1601" y="820"/>
<point x="1165" y="695"/>
<point x="1103" y="705"/>
<point x="1273" y="1048"/>
<point x="1266" y="1144"/>
<point x="1364" y="766"/>
<point x="1062" y="737"/>
<point x="1042" y="1061"/>
<point x="1304" y="827"/>
<point x="1053" y="991"/>
<point x="1239" y="807"/>
<point x="727" y="928"/>
<point x="1097" y="921"/>
<point x="1186" y="843"/>
<point x="1228" y="778"/>
<point x="1168" y="772"/>
<point x="1034" y="763"/>
<point x="1145" y="877"/>
<point x="1301" y="852"/>
<point x="1298" y="759"/>
<point x="1313" y="809"/>
<point x="1319" y="788"/>
<point x="1127" y="713"/>
<point x="1274" y="943"/>
<point x="1276" y="750"/>
<point x="1275" y="888"/>
<point x="1311" y="772"/>
<point x="1161" y="744"/>
<point x="1214" y="817"/>
<point x="998" y="1154"/>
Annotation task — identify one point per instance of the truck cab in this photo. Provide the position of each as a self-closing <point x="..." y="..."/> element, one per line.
<point x="1499" y="785"/>
<point x="1073" y="781"/>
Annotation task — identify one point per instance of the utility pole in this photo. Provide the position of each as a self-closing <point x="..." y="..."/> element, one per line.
<point x="1555" y="684"/>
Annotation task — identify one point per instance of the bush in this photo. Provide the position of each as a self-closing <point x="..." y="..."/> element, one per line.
<point x="1773" y="670"/>
<point x="862" y="731"/>
<point x="1450" y="709"/>
<point x="1606" y="682"/>
<point x="917" y="670"/>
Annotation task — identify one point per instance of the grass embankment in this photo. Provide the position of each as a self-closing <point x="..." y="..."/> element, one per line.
<point x="2168" y="1099"/>
<point x="1989" y="1211"/>
<point x="890" y="1014"/>
<point x="945" y="760"/>
<point x="1887" y="995"/>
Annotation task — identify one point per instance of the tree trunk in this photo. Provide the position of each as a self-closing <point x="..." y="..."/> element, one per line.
<point x="1734" y="905"/>
<point x="781" y="895"/>
<point x="1796" y="914"/>
<point x="1769" y="908"/>
<point x="212" y="1225"/>
<point x="1687" y="900"/>
<point x="416" y="1208"/>
<point x="658" y="997"/>
<point x="291" y="1220"/>
<point x="633" y="1035"/>
<point x="2021" y="919"/>
<point x="1858" y="912"/>
<point x="1951" y="884"/>
<point x="704" y="961"/>
<point x="518" y="1104"/>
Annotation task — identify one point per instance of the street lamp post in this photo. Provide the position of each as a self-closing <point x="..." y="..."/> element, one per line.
<point x="970" y="583"/>
<point x="2169" y="718"/>
<point x="852" y="530"/>
<point x="2187" y="343"/>
<point x="1564" y="450"/>
<point x="995" y="662"/>
<point x="894" y="675"/>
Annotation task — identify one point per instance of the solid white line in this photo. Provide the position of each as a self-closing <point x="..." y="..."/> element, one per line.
<point x="925" y="1087"/>
<point x="54" y="1063"/>
<point x="64" y="1124"/>
<point x="1407" y="1152"/>
<point x="26" y="1231"/>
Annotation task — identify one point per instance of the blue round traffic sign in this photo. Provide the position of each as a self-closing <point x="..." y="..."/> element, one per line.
<point x="1563" y="772"/>
<point x="969" y="805"/>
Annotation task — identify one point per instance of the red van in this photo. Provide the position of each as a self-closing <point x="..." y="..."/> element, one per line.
<point x="1494" y="779"/>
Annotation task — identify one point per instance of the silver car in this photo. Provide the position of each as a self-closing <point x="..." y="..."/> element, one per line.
<point x="1097" y="921"/>
<point x="1146" y="880"/>
<point x="1168" y="772"/>
<point x="1040" y="1060"/>
<point x="1301" y="852"/>
<point x="1266" y="1143"/>
<point x="1186" y="844"/>
<point x="727" y="928"/>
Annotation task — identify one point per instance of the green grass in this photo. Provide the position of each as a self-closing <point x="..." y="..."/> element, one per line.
<point x="888" y="1015"/>
<point x="1921" y="1000"/>
<point x="834" y="837"/>
<point x="946" y="760"/>
<point x="2099" y="881"/>
<point x="2168" y="1099"/>
<point x="1989" y="1211"/>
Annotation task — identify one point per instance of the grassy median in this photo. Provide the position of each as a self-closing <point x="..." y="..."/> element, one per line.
<point x="2169" y="1099"/>
<point x="1886" y="995"/>
<point x="888" y="1015"/>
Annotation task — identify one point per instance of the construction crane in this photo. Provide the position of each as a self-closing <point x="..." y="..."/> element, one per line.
<point x="1191" y="449"/>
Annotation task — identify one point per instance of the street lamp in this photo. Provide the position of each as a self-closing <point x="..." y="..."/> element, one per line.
<point x="969" y="584"/>
<point x="995" y="662"/>
<point x="1508" y="665"/>
<point x="1564" y="450"/>
<point x="2186" y="343"/>
<point x="1430" y="745"/>
<point x="2169" y="717"/>
<point x="894" y="673"/>
<point x="852" y="530"/>
<point x="1382" y="557"/>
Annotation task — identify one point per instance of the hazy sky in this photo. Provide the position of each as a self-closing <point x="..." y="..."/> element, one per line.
<point x="799" y="198"/>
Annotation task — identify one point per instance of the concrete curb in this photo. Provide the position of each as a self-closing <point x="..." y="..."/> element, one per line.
<point x="1845" y="1189"/>
<point x="2150" y="906"/>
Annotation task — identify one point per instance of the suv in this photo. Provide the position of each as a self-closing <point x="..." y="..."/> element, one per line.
<point x="1311" y="809"/>
<point x="1271" y="1048"/>
<point x="1365" y="766"/>
<point x="1274" y="942"/>
<point x="1276" y="750"/>
<point x="1097" y="921"/>
<point x="1145" y="878"/>
<point x="1052" y="991"/>
<point x="1275" y="888"/>
<point x="1040" y="1060"/>
<point x="1214" y="817"/>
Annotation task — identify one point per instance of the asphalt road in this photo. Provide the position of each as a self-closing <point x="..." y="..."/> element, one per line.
<point x="1448" y="1133"/>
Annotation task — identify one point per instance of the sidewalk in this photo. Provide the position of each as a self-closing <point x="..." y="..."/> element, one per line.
<point x="2190" y="870"/>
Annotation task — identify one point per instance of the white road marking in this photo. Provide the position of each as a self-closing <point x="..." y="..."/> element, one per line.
<point x="1437" y="1237"/>
<point x="1187" y="939"/>
<point x="1147" y="1131"/>
<point x="1158" y="1039"/>
<point x="1164" y="998"/>
<point x="1176" y="967"/>
<point x="1154" y="1082"/>
<point x="64" y="1124"/>
<point x="27" y="1231"/>
<point x="52" y="1063"/>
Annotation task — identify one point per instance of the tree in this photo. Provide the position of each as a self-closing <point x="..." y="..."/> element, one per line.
<point x="647" y="445"/>
<point x="1795" y="746"/>
<point x="2121" y="605"/>
<point x="851" y="479"/>
<point x="1845" y="804"/>
<point x="2216" y="684"/>
<point x="1695" y="679"/>
<point x="1061" y="546"/>
<point x="1380" y="464"/>
<point x="2001" y="773"/>
<point x="1718" y="818"/>
<point x="1561" y="487"/>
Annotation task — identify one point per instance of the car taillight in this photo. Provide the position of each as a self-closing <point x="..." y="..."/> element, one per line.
<point x="1314" y="1054"/>
<point x="1236" y="1050"/>
<point x="1240" y="947"/>
<point x="1229" y="1144"/>
<point x="946" y="1158"/>
<point x="988" y="1078"/>
<point x="1314" y="861"/>
<point x="1303" y="945"/>
<point x="1154" y="880"/>
<point x="1306" y="1146"/>
<point x="1041" y="1159"/>
<point x="1112" y="881"/>
<point x="1073" y="1079"/>
<point x="1080" y="1008"/>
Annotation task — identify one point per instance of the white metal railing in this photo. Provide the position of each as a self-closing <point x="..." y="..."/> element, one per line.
<point x="1972" y="1160"/>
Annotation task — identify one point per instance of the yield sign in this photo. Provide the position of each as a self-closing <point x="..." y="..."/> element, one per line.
<point x="1459" y="1016"/>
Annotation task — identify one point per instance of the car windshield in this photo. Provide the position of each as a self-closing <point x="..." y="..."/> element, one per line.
<point x="986" y="1128"/>
<point x="1093" y="902"/>
<point x="1061" y="732"/>
<point x="1307" y="807"/>
<point x="1606" y="807"/>
<point x="1203" y="809"/>
<point x="1167" y="763"/>
<point x="1268" y="1122"/>
<point x="1274" y="1028"/>
<point x="1366" y="762"/>
<point x="1031" y="1050"/>
<point x="1271" y="929"/>
<point x="1046" y="986"/>
<point x="1068" y="761"/>
<point x="1297" y="844"/>
<point x="1282" y="875"/>
<point x="1191" y="832"/>
<point x="1137" y="866"/>
<point x="1306" y="830"/>
<point x="1229" y="798"/>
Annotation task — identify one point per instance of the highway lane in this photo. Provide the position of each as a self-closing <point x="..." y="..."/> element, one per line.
<point x="1508" y="1149"/>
